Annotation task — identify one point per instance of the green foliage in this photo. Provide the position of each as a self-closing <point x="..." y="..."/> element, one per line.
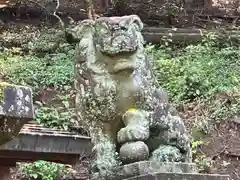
<point x="53" y="117"/>
<point x="216" y="110"/>
<point x="197" y="71"/>
<point x="43" y="170"/>
<point x="46" y="41"/>
<point x="55" y="69"/>
<point x="42" y="58"/>
<point x="204" y="163"/>
<point x="195" y="146"/>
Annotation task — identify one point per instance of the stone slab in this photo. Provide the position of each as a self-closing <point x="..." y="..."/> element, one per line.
<point x="16" y="102"/>
<point x="148" y="167"/>
<point x="180" y="176"/>
<point x="16" y="109"/>
<point x="34" y="138"/>
<point x="35" y="142"/>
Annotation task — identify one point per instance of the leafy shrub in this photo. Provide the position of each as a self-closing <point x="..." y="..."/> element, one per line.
<point x="38" y="72"/>
<point x="53" y="118"/>
<point x="197" y="71"/>
<point x="45" y="41"/>
<point x="204" y="163"/>
<point x="43" y="170"/>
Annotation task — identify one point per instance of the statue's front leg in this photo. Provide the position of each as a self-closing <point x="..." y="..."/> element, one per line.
<point x="136" y="127"/>
<point x="136" y="131"/>
<point x="175" y="145"/>
<point x="105" y="155"/>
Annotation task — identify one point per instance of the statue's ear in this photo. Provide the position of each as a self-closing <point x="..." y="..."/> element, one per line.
<point x="74" y="35"/>
<point x="137" y="21"/>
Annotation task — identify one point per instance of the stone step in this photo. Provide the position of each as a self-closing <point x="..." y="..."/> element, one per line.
<point x="180" y="176"/>
<point x="151" y="170"/>
<point x="147" y="167"/>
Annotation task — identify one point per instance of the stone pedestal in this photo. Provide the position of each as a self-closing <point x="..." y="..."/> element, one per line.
<point x="151" y="170"/>
<point x="181" y="176"/>
<point x="16" y="109"/>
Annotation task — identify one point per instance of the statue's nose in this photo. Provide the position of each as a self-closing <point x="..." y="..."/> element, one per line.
<point x="119" y="25"/>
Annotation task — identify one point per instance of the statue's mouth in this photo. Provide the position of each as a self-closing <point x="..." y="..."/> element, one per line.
<point x="126" y="70"/>
<point x="119" y="53"/>
<point x="124" y="66"/>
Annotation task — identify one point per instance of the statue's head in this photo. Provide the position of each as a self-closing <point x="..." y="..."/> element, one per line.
<point x="117" y="35"/>
<point x="112" y="41"/>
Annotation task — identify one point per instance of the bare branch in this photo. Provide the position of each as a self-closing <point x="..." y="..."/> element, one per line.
<point x="54" y="12"/>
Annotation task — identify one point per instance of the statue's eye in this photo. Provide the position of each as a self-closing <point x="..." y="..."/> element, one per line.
<point x="124" y="28"/>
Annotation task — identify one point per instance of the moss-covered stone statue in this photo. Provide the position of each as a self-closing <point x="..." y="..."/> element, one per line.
<point x="129" y="119"/>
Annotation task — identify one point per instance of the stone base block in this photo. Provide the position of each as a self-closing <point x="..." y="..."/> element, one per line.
<point x="151" y="170"/>
<point x="180" y="176"/>
<point x="146" y="167"/>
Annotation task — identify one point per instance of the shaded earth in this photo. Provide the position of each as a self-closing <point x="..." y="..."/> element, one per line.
<point x="164" y="13"/>
<point x="221" y="145"/>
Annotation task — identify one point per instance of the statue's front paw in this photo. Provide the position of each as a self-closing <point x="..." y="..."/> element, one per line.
<point x="131" y="152"/>
<point x="166" y="153"/>
<point x="183" y="143"/>
<point x="129" y="133"/>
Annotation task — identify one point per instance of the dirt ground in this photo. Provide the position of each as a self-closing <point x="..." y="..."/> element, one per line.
<point x="223" y="146"/>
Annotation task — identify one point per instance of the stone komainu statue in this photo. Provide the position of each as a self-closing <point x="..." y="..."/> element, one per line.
<point x="128" y="117"/>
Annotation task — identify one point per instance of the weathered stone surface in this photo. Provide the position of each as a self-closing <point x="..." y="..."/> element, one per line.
<point x="16" y="109"/>
<point x="179" y="176"/>
<point x="134" y="151"/>
<point x="117" y="99"/>
<point x="149" y="167"/>
<point x="16" y="102"/>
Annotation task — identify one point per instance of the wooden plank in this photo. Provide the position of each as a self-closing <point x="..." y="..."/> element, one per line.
<point x="38" y="143"/>
<point x="9" y="158"/>
<point x="173" y="30"/>
<point x="35" y="129"/>
<point x="21" y="142"/>
<point x="51" y="144"/>
<point x="35" y="138"/>
<point x="85" y="148"/>
<point x="154" y="35"/>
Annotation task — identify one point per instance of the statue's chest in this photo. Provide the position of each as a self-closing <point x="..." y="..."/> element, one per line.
<point x="116" y="94"/>
<point x="132" y="93"/>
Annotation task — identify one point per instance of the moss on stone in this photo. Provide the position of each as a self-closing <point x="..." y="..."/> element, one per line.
<point x="2" y="86"/>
